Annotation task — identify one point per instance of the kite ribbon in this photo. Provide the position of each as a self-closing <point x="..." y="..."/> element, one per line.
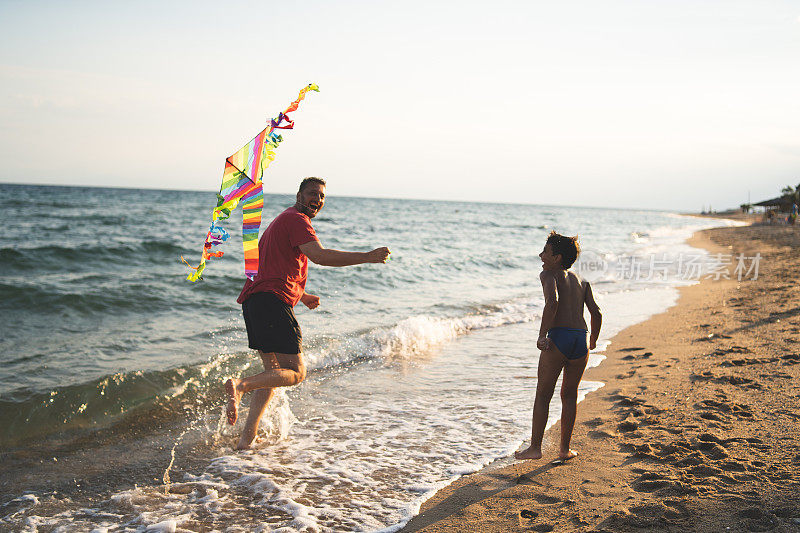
<point x="241" y="182"/>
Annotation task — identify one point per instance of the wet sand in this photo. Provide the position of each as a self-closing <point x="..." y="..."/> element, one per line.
<point x="697" y="428"/>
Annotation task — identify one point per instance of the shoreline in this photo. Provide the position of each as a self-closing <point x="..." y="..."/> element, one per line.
<point x="678" y="438"/>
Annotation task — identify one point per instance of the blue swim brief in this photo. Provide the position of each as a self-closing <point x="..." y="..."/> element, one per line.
<point x="569" y="341"/>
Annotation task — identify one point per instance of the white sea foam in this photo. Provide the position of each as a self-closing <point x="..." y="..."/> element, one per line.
<point x="417" y="335"/>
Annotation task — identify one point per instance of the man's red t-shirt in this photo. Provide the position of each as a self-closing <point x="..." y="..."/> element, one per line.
<point x="282" y="267"/>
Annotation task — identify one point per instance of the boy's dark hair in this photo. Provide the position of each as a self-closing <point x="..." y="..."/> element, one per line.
<point x="567" y="247"/>
<point x="312" y="179"/>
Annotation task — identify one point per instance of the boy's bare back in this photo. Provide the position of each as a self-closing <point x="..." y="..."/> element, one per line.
<point x="572" y="293"/>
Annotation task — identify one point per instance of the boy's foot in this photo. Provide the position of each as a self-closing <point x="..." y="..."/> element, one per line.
<point x="529" y="453"/>
<point x="231" y="388"/>
<point x="563" y="457"/>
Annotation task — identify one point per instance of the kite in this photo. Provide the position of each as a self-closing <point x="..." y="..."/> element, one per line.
<point x="241" y="182"/>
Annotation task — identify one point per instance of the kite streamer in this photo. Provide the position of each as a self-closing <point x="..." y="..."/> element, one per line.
<point x="241" y="182"/>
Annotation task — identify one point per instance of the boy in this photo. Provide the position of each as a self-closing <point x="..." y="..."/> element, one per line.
<point x="562" y="340"/>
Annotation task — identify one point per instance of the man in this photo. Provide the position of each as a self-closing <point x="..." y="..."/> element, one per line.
<point x="267" y="302"/>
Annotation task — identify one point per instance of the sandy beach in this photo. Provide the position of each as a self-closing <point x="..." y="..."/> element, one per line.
<point x="695" y="430"/>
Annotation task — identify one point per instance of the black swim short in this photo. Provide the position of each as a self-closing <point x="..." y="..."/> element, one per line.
<point x="271" y="325"/>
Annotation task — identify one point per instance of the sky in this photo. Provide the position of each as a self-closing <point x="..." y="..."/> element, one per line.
<point x="676" y="105"/>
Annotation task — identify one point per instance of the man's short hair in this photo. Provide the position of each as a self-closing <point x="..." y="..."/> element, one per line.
<point x="567" y="247"/>
<point x="309" y="180"/>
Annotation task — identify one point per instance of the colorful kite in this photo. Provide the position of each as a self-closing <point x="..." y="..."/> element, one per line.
<point x="241" y="182"/>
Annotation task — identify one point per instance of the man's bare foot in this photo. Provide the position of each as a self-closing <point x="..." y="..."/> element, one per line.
<point x="529" y="453"/>
<point x="231" y="388"/>
<point x="566" y="456"/>
<point x="246" y="440"/>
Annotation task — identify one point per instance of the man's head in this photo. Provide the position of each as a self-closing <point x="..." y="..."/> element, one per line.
<point x="560" y="250"/>
<point x="311" y="196"/>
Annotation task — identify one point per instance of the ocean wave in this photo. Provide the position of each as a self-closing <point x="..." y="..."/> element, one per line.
<point x="126" y="298"/>
<point x="97" y="219"/>
<point x="26" y="414"/>
<point x="67" y="412"/>
<point x="415" y="335"/>
<point x="39" y="203"/>
<point x="53" y="256"/>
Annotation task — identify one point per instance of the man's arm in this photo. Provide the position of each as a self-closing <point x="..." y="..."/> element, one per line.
<point x="597" y="317"/>
<point x="550" y="308"/>
<point x="336" y="258"/>
<point x="310" y="300"/>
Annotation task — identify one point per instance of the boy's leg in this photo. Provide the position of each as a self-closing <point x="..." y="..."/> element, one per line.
<point x="573" y="371"/>
<point x="290" y="370"/>
<point x="550" y="363"/>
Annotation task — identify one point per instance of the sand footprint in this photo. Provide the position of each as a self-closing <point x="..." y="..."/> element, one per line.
<point x="594" y="422"/>
<point x="547" y="500"/>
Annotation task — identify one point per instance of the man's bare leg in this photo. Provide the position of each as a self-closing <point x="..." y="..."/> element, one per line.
<point x="573" y="371"/>
<point x="258" y="404"/>
<point x="290" y="371"/>
<point x="234" y="397"/>
<point x="550" y="363"/>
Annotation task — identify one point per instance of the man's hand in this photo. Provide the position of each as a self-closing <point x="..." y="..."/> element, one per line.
<point x="379" y="255"/>
<point x="544" y="343"/>
<point x="309" y="300"/>
<point x="592" y="343"/>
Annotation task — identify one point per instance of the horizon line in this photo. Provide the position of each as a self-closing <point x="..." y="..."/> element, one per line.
<point x="168" y="189"/>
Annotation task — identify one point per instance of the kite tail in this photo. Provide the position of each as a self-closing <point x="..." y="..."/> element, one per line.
<point x="241" y="181"/>
<point x="303" y="92"/>
<point x="252" y="203"/>
<point x="215" y="236"/>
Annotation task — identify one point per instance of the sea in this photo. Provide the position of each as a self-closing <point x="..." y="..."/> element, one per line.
<point x="421" y="370"/>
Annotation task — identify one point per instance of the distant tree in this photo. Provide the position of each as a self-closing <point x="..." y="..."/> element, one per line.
<point x="791" y="194"/>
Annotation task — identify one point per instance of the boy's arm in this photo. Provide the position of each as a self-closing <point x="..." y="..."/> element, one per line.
<point x="597" y="317"/>
<point x="327" y="257"/>
<point x="550" y="308"/>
